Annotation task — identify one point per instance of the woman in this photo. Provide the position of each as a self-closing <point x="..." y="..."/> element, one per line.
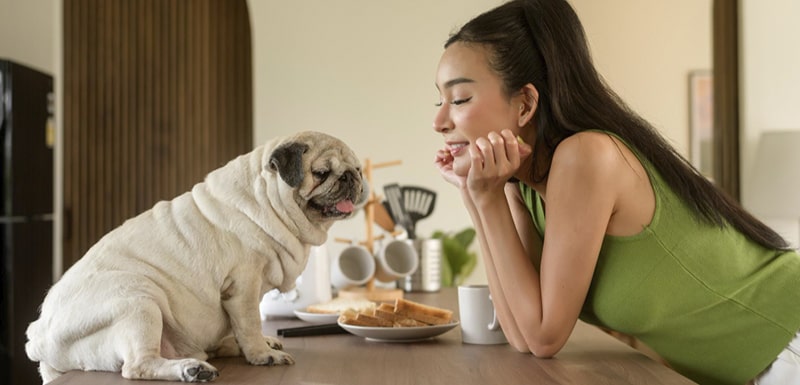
<point x="636" y="240"/>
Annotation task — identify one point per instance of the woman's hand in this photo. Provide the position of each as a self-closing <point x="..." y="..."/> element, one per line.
<point x="495" y="159"/>
<point x="444" y="162"/>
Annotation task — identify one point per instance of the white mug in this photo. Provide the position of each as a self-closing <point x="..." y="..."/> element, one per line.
<point x="354" y="266"/>
<point x="396" y="259"/>
<point x="479" y="323"/>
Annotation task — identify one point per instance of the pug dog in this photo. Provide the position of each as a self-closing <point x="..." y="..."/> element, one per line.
<point x="181" y="283"/>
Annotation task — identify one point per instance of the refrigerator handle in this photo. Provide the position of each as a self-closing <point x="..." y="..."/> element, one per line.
<point x="2" y="99"/>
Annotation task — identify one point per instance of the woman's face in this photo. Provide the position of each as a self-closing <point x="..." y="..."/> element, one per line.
<point x="472" y="102"/>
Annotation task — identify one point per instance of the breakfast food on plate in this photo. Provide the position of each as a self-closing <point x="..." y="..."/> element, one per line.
<point x="428" y="314"/>
<point x="364" y="319"/>
<point x="339" y="305"/>
<point x="403" y="313"/>
<point x="386" y="311"/>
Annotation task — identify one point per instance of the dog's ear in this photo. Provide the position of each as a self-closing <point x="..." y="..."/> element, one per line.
<point x="287" y="161"/>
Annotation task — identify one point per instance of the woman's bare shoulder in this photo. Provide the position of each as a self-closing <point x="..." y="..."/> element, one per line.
<point x="589" y="150"/>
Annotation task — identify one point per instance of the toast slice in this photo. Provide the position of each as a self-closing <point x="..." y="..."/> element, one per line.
<point x="339" y="305"/>
<point x="408" y="322"/>
<point x="351" y="317"/>
<point x="386" y="311"/>
<point x="423" y="313"/>
<point x="403" y="313"/>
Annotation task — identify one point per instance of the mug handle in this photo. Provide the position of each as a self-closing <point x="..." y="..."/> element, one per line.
<point x="495" y="323"/>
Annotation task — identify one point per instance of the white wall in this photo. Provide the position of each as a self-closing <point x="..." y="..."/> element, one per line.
<point x="770" y="85"/>
<point x="364" y="71"/>
<point x="645" y="49"/>
<point x="27" y="30"/>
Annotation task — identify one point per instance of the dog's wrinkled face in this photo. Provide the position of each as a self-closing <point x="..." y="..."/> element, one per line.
<point x="324" y="173"/>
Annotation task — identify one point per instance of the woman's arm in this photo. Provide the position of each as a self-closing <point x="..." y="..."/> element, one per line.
<point x="510" y="328"/>
<point x="538" y="309"/>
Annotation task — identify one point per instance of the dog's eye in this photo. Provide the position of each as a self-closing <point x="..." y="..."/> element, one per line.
<point x="321" y="174"/>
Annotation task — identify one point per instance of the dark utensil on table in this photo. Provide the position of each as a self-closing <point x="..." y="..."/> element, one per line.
<point x="418" y="203"/>
<point x="312" y="330"/>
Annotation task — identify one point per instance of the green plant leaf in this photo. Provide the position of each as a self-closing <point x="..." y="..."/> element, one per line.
<point x="457" y="261"/>
<point x="465" y="237"/>
<point x="446" y="273"/>
<point x="468" y="267"/>
<point x="455" y="253"/>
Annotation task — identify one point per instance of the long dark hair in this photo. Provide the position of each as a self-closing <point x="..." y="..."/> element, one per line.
<point x="542" y="42"/>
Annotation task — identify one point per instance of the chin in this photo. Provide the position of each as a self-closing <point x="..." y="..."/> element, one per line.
<point x="461" y="166"/>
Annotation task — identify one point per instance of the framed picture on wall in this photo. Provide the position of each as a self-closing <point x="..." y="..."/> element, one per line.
<point x="701" y="121"/>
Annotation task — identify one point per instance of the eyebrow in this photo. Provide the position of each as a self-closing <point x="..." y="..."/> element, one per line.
<point x="453" y="82"/>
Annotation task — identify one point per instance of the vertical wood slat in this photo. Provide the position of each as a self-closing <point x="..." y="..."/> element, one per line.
<point x="157" y="93"/>
<point x="725" y="60"/>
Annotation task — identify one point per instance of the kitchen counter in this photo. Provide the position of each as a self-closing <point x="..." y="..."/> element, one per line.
<point x="591" y="356"/>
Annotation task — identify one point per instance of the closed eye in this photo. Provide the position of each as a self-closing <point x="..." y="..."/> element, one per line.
<point x="321" y="174"/>
<point x="455" y="102"/>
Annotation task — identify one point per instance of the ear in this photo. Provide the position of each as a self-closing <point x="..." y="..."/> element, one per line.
<point x="287" y="161"/>
<point x="528" y="100"/>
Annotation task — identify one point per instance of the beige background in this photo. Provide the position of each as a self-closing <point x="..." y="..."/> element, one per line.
<point x="363" y="70"/>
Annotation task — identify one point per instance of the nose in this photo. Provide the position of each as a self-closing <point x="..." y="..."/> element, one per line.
<point x="349" y="177"/>
<point x="441" y="121"/>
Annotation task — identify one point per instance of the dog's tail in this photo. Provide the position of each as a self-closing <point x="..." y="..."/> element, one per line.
<point x="34" y="346"/>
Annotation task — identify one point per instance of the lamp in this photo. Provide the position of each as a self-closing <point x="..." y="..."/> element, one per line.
<point x="775" y="183"/>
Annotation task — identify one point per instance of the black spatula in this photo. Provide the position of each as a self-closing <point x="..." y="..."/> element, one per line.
<point x="394" y="196"/>
<point x="418" y="203"/>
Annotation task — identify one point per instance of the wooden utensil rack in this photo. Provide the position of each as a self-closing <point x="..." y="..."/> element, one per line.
<point x="370" y="292"/>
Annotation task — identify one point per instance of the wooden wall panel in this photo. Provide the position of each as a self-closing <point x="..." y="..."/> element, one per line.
<point x="157" y="93"/>
<point x="725" y="59"/>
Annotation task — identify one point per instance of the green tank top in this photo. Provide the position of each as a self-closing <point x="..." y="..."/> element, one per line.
<point x="714" y="304"/>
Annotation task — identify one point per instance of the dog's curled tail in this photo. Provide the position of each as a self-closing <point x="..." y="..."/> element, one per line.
<point x="33" y="348"/>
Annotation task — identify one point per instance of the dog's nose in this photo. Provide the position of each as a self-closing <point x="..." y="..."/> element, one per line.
<point x="348" y="177"/>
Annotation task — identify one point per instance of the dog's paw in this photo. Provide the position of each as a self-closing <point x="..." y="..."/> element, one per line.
<point x="198" y="371"/>
<point x="274" y="342"/>
<point x="270" y="358"/>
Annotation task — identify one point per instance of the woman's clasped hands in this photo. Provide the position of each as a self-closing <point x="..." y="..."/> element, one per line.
<point x="492" y="161"/>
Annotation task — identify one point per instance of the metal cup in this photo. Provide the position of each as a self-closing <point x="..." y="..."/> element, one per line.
<point x="428" y="277"/>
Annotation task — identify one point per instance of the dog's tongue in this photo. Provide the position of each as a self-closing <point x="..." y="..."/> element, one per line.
<point x="345" y="206"/>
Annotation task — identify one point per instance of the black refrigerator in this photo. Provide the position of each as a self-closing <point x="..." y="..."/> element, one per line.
<point x="26" y="220"/>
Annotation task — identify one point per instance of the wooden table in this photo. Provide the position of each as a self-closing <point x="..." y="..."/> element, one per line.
<point x="589" y="357"/>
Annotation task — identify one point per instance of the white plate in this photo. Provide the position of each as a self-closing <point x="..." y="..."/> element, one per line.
<point x="317" y="318"/>
<point x="407" y="334"/>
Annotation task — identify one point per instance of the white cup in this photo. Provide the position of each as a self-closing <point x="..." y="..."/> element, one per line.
<point x="479" y="323"/>
<point x="396" y="259"/>
<point x="354" y="266"/>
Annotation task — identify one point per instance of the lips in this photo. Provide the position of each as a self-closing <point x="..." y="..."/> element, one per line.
<point x="457" y="148"/>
